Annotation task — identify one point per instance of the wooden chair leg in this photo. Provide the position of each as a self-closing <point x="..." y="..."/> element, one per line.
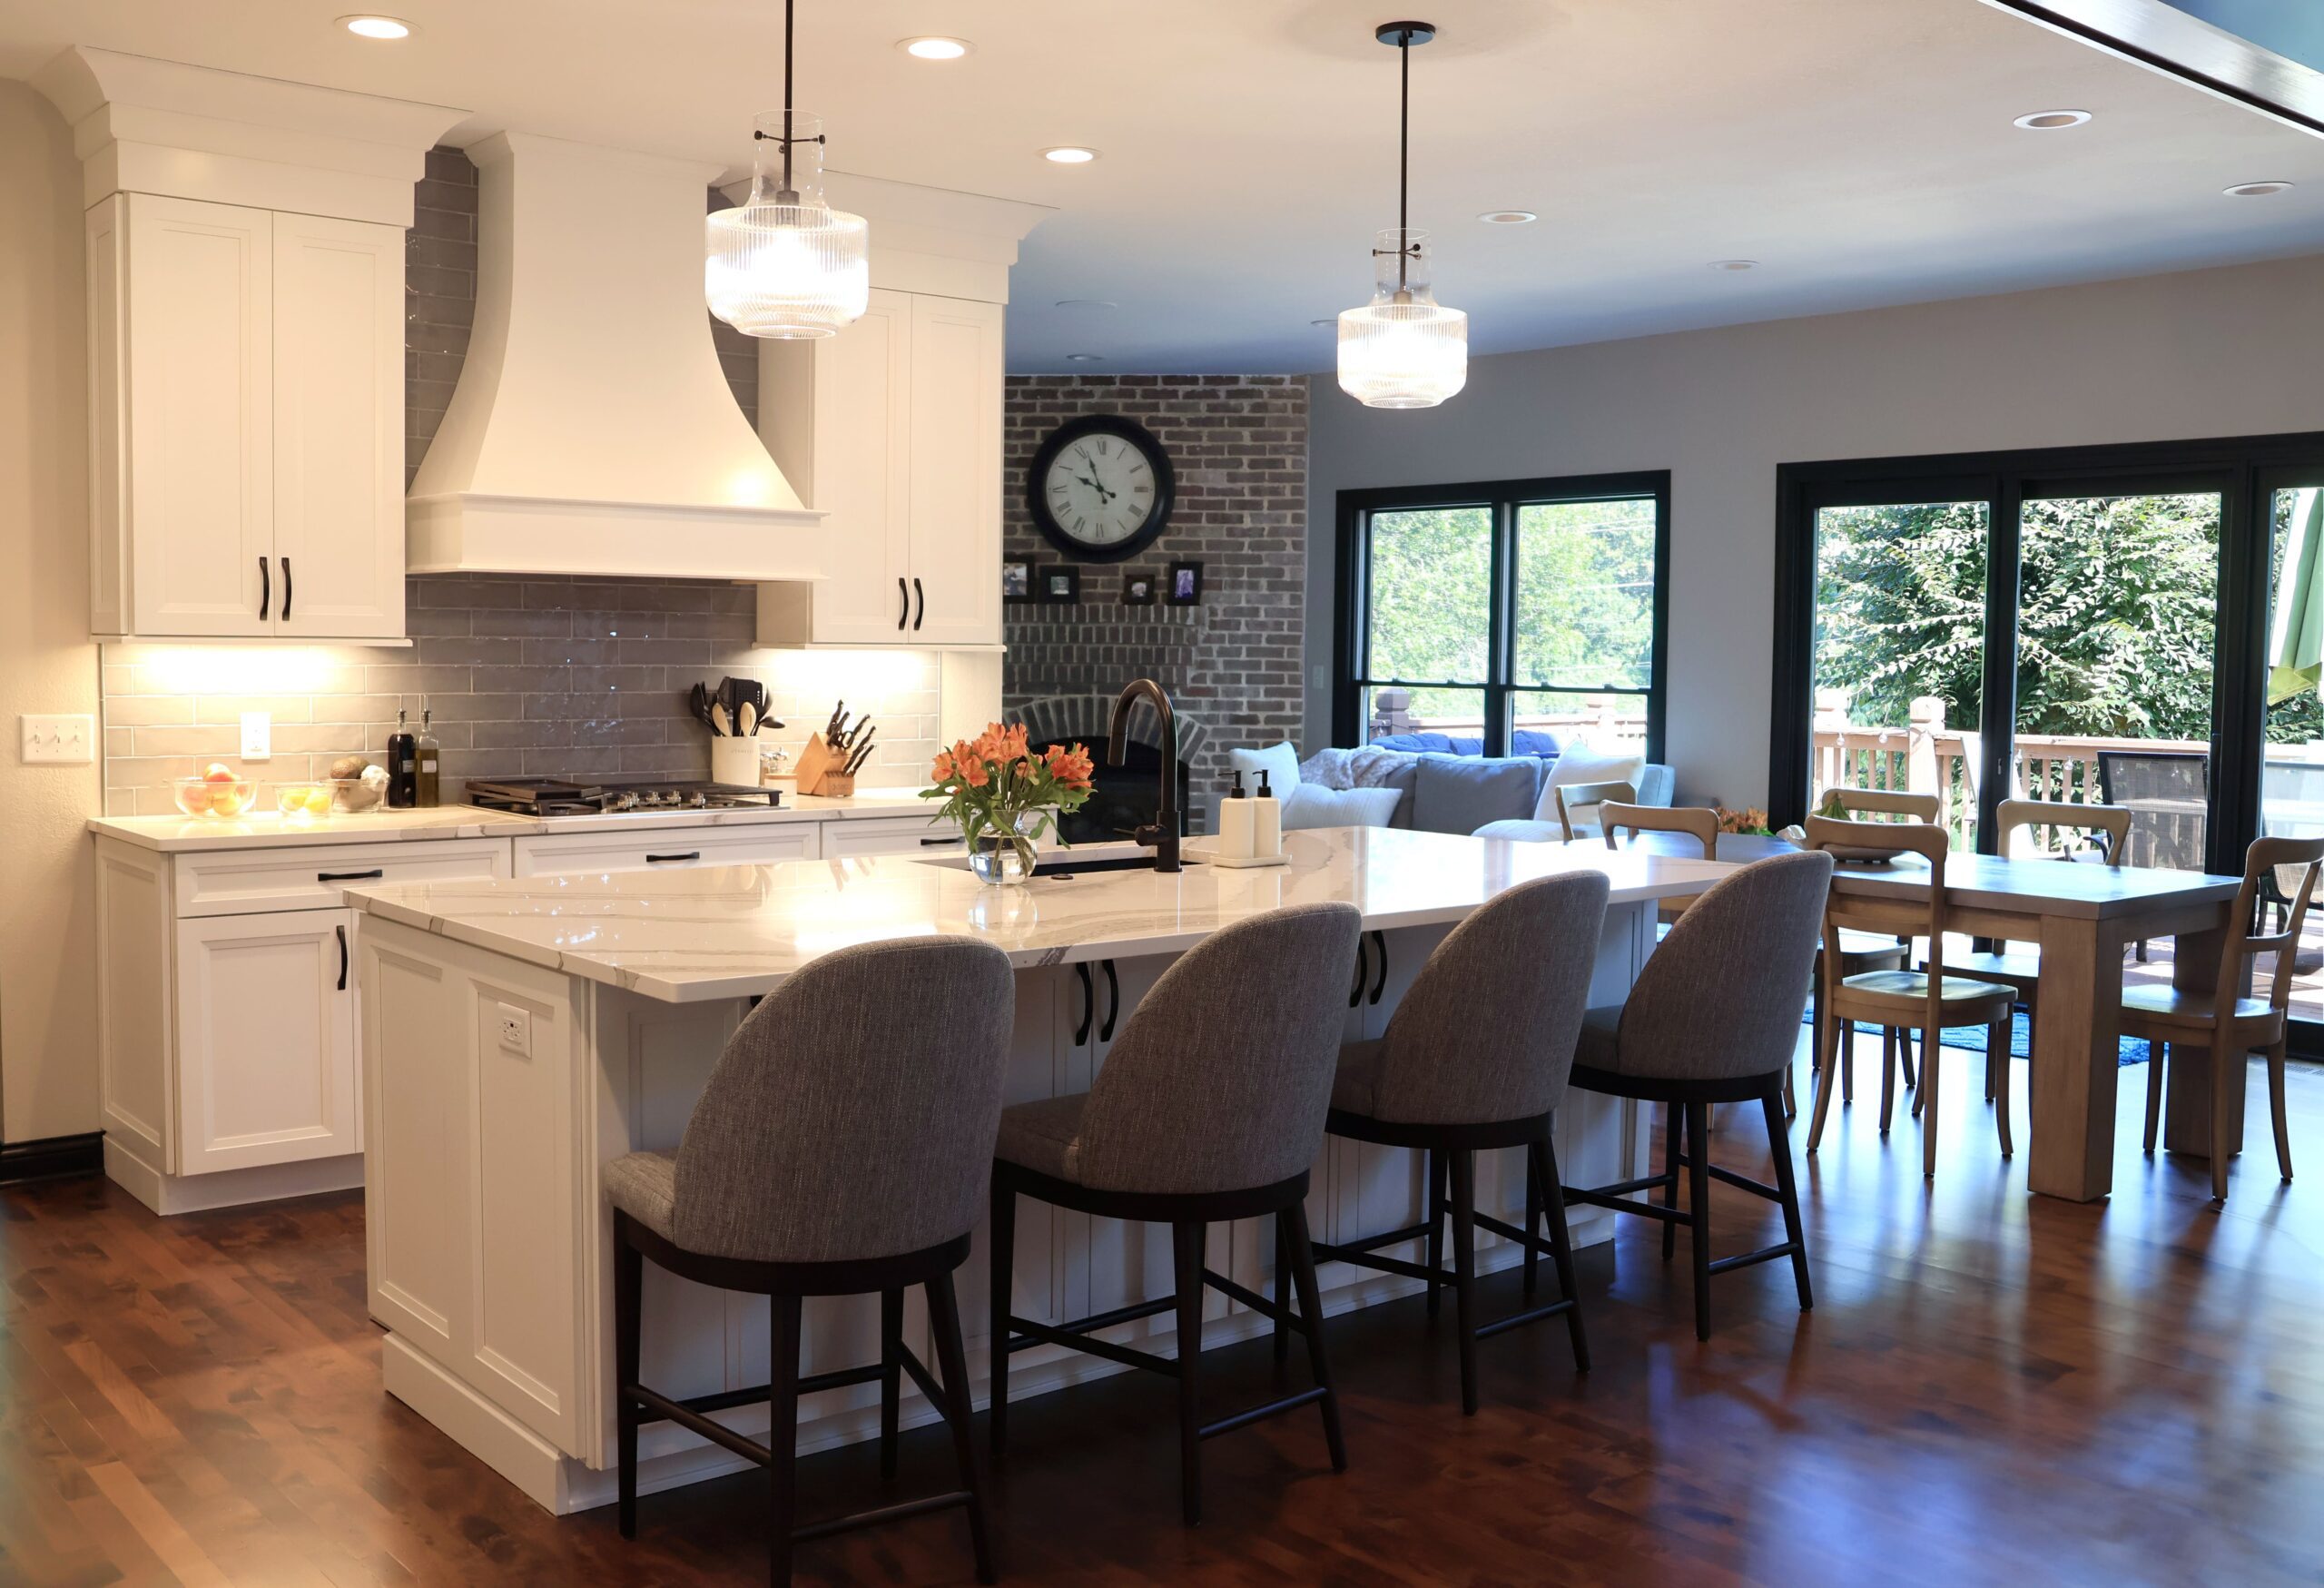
<point x="1437" y="1169"/>
<point x="1824" y="1085"/>
<point x="1542" y="1161"/>
<point x="1888" y="1044"/>
<point x="1997" y="1056"/>
<point x="1926" y="1101"/>
<point x="1004" y="1234"/>
<point x="1464" y="1271"/>
<point x="1673" y="1153"/>
<point x="2276" y="1106"/>
<point x="891" y="1369"/>
<point x="1904" y="1058"/>
<point x="629" y="1285"/>
<point x="1845" y="1050"/>
<point x="2158" y="1053"/>
<point x="1185" y="1244"/>
<point x="1294" y="1221"/>
<point x="1780" y="1150"/>
<point x="953" y="1362"/>
<point x="2223" y="1071"/>
<point x="782" y="1434"/>
<point x="1698" y="1196"/>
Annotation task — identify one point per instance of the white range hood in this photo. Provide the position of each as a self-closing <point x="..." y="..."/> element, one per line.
<point x="592" y="431"/>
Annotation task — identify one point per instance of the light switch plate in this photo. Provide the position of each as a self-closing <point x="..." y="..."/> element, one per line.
<point x="59" y="741"/>
<point x="258" y="735"/>
<point x="516" y="1030"/>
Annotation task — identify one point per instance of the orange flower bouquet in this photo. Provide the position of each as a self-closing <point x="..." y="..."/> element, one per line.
<point x="1004" y="796"/>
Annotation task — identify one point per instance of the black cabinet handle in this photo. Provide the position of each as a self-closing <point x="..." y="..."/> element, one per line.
<point x="343" y="958"/>
<point x="1382" y="985"/>
<point x="372" y="875"/>
<point x="286" y="589"/>
<point x="903" y="603"/>
<point x="936" y="842"/>
<point x="1113" y="1003"/>
<point x="922" y="596"/>
<point x="1363" y="972"/>
<point x="265" y="588"/>
<point x="669" y="859"/>
<point x="1088" y="1003"/>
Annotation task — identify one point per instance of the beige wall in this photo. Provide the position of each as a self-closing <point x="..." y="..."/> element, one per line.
<point x="2222" y="352"/>
<point x="48" y="1002"/>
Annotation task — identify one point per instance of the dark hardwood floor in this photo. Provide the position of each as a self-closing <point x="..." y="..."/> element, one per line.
<point x="1991" y="1389"/>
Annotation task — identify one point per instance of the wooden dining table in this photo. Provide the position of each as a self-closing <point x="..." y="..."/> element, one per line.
<point x="2083" y="917"/>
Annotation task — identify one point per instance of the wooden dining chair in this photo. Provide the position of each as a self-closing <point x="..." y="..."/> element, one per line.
<point x="1862" y="952"/>
<point x="1884" y="802"/>
<point x="1573" y="796"/>
<point x="1926" y="1000"/>
<point x="1701" y="825"/>
<point x="2230" y="1025"/>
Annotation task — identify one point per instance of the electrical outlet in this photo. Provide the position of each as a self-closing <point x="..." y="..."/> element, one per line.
<point x="515" y="1030"/>
<point x="59" y="741"/>
<point x="258" y="736"/>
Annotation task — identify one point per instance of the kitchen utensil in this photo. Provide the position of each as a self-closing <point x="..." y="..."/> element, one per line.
<point x="698" y="702"/>
<point x="839" y="715"/>
<point x="720" y="723"/>
<point x="862" y="752"/>
<point x="746" y="719"/>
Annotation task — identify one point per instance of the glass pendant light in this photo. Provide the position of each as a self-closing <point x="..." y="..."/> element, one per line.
<point x="1404" y="349"/>
<point x="784" y="263"/>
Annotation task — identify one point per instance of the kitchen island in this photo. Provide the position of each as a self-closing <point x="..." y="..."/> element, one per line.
<point x="519" y="1033"/>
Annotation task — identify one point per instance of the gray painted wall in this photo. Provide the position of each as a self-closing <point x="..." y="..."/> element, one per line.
<point x="2222" y="353"/>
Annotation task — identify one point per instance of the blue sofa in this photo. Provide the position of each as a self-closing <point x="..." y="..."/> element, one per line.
<point x="1453" y="789"/>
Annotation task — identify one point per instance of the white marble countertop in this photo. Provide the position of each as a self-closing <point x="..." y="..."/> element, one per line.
<point x="187" y="835"/>
<point x="716" y="932"/>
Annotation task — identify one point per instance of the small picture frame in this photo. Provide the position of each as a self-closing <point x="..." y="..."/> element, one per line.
<point x="1138" y="590"/>
<point x="1184" y="588"/>
<point x="1016" y="581"/>
<point x="1061" y="586"/>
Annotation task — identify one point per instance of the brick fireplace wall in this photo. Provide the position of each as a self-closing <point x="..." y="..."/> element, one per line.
<point x="1239" y="444"/>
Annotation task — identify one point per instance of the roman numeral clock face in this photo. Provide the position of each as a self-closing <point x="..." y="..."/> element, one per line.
<point x="1100" y="488"/>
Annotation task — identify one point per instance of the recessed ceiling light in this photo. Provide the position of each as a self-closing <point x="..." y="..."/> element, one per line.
<point x="1508" y="217"/>
<point x="1734" y="264"/>
<point x="934" y="49"/>
<point x="1068" y="154"/>
<point x="2051" y="120"/>
<point x="369" y="26"/>
<point x="2258" y="190"/>
<point x="1087" y="303"/>
<point x="1085" y="358"/>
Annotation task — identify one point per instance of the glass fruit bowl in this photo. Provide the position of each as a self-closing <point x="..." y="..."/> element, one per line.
<point x="215" y="796"/>
<point x="302" y="801"/>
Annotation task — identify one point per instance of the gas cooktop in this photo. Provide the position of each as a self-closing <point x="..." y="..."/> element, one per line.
<point x="558" y="796"/>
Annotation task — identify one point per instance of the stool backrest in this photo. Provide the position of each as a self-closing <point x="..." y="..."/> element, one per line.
<point x="1220" y="1080"/>
<point x="853" y="1113"/>
<point x="1719" y="996"/>
<point x="1486" y="1032"/>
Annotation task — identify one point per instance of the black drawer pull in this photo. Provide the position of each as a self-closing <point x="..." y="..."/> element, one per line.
<point x="667" y="859"/>
<point x="265" y="588"/>
<point x="1113" y="1003"/>
<point x="937" y="843"/>
<point x="372" y="875"/>
<point x="903" y="604"/>
<point x="286" y="589"/>
<point x="1363" y="972"/>
<point x="1088" y="1003"/>
<point x="1382" y="985"/>
<point x="922" y="596"/>
<point x="343" y="958"/>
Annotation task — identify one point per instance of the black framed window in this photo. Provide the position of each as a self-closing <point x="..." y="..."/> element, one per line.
<point x="1497" y="612"/>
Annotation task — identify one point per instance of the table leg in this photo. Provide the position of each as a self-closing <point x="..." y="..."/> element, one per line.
<point x="2187" y="1104"/>
<point x="2070" y="1150"/>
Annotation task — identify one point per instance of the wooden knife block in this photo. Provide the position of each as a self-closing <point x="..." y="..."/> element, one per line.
<point x="819" y="770"/>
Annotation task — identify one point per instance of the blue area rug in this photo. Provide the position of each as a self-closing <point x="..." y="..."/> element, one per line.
<point x="2132" y="1050"/>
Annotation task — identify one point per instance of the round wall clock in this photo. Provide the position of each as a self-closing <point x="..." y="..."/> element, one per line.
<point x="1100" y="487"/>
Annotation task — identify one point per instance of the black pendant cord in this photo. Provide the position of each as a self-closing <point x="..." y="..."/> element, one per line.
<point x="788" y="194"/>
<point x="1404" y="161"/>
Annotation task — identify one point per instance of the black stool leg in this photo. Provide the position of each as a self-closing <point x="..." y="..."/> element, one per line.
<point x="1293" y="1222"/>
<point x="1004" y="1234"/>
<point x="1673" y="1120"/>
<point x="1464" y="1271"/>
<point x="1283" y="1287"/>
<point x="953" y="1361"/>
<point x="891" y="1367"/>
<point x="629" y="1284"/>
<point x="1699" y="1195"/>
<point x="1780" y="1150"/>
<point x="1533" y="1222"/>
<point x="1186" y="1245"/>
<point x="1436" y="1173"/>
<point x="1543" y="1164"/>
<point x="782" y="1434"/>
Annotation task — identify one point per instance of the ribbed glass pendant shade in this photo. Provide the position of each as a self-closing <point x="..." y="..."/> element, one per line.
<point x="785" y="264"/>
<point x="1404" y="349"/>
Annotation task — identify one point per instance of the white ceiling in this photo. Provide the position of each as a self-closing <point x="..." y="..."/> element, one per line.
<point x="1861" y="150"/>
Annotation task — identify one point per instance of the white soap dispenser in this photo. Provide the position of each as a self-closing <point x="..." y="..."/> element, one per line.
<point x="1235" y="823"/>
<point x="1266" y="822"/>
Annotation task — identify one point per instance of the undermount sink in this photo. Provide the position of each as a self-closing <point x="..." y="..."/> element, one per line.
<point x="1074" y="862"/>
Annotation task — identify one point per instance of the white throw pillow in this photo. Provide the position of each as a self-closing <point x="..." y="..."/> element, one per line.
<point x="1309" y="805"/>
<point x="1279" y="761"/>
<point x="1583" y="763"/>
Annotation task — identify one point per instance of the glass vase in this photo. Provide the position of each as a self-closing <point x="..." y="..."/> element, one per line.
<point x="1005" y="859"/>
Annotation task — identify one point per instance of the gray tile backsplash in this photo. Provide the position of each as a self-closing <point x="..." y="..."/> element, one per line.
<point x="526" y="675"/>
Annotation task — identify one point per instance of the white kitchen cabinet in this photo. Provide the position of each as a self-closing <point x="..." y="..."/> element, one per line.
<point x="890" y="835"/>
<point x="246" y="416"/>
<point x="266" y="1039"/>
<point x="892" y="429"/>
<point x="667" y="848"/>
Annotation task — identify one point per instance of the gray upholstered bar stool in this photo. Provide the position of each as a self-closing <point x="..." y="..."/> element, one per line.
<point x="841" y="1147"/>
<point x="1714" y="1018"/>
<point x="1210" y="1105"/>
<point x="1443" y="1080"/>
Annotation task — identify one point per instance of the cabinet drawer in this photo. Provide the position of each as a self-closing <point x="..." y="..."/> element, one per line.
<point x="667" y="848"/>
<point x="231" y="882"/>
<point x="889" y="835"/>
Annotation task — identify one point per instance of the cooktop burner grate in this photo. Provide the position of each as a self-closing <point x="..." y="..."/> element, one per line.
<point x="560" y="796"/>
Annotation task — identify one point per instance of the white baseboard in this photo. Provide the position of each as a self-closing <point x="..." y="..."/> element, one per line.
<point x="166" y="1194"/>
